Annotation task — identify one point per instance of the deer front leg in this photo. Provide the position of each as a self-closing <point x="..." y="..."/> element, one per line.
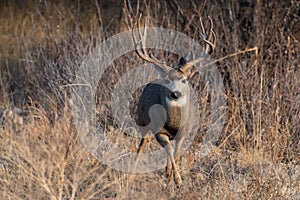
<point x="179" y="143"/>
<point x="145" y="140"/>
<point x="169" y="168"/>
<point x="165" y="142"/>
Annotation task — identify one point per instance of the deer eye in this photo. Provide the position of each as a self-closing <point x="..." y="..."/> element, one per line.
<point x="183" y="81"/>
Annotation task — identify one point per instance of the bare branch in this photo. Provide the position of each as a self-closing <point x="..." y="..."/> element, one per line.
<point x="210" y="44"/>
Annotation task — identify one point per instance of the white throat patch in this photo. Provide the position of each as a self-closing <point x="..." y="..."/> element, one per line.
<point x="182" y="101"/>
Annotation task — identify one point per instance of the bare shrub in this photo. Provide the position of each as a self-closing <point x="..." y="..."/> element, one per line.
<point x="42" y="157"/>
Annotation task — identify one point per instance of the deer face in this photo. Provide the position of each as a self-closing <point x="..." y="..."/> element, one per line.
<point x="176" y="90"/>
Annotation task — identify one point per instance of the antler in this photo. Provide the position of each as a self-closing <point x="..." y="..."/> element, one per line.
<point x="210" y="44"/>
<point x="142" y="52"/>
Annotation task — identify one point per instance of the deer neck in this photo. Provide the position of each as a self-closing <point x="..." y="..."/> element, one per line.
<point x="177" y="112"/>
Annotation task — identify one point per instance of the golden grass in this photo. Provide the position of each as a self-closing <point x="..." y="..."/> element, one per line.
<point x="42" y="156"/>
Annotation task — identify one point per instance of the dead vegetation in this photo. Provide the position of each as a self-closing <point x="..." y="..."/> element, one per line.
<point x="43" y="44"/>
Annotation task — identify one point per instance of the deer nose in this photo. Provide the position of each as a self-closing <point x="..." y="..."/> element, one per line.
<point x="176" y="95"/>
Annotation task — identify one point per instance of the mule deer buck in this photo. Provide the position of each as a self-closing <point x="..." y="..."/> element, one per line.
<point x="172" y="93"/>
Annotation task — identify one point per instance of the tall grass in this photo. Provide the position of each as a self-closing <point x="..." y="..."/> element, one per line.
<point x="42" y="156"/>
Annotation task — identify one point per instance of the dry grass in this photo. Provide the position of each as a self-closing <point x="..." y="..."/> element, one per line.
<point x="42" y="156"/>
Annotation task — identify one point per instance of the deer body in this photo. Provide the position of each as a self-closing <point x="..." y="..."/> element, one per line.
<point x="165" y="107"/>
<point x="175" y="116"/>
<point x="172" y="95"/>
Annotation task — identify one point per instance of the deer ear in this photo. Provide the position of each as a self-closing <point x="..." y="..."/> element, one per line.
<point x="188" y="72"/>
<point x="182" y="61"/>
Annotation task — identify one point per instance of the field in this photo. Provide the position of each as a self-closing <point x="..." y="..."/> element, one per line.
<point x="44" y="47"/>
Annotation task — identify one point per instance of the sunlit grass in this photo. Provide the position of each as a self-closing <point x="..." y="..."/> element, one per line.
<point x="42" y="156"/>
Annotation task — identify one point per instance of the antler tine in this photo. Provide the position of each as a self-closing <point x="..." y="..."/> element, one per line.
<point x="210" y="44"/>
<point x="141" y="51"/>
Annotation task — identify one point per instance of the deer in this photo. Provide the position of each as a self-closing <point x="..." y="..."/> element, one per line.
<point x="173" y="94"/>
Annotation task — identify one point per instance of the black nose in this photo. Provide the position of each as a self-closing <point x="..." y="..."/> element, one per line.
<point x="176" y="95"/>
